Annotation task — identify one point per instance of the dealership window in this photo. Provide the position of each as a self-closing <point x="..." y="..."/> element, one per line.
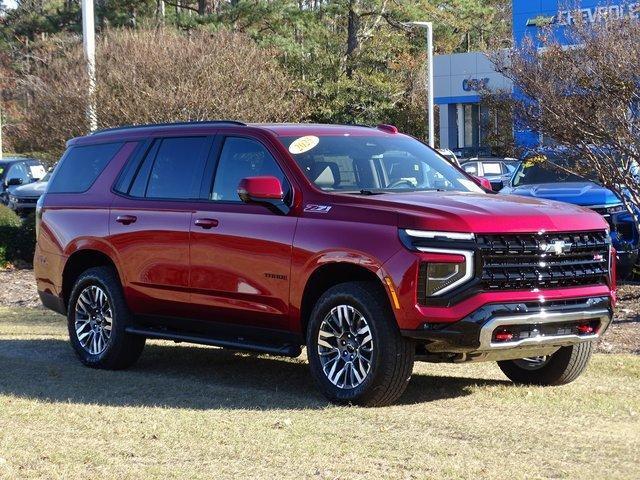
<point x="468" y="125"/>
<point x="471" y="125"/>
<point x="480" y="129"/>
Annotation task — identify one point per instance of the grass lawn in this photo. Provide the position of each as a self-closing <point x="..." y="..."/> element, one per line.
<point x="191" y="412"/>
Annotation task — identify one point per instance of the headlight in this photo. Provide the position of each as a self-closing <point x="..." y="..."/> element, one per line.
<point x="440" y="235"/>
<point x="446" y="261"/>
<point x="616" y="209"/>
<point x="13" y="199"/>
<point x="442" y="277"/>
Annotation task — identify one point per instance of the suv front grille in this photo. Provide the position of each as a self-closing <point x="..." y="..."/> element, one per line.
<point x="602" y="211"/>
<point x="543" y="261"/>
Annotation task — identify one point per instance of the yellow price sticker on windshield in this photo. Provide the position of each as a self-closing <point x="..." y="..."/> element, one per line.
<point x="534" y="160"/>
<point x="303" y="144"/>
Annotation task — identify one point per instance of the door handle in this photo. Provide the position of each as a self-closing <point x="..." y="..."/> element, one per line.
<point x="206" y="223"/>
<point x="126" y="219"/>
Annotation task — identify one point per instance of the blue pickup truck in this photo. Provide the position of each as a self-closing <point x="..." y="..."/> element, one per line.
<point x="550" y="176"/>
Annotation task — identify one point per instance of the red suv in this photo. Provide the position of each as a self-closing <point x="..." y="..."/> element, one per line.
<point x="362" y="244"/>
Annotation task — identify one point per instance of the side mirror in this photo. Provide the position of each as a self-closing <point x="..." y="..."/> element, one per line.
<point x="497" y="185"/>
<point x="14" y="181"/>
<point x="265" y="190"/>
<point x="483" y="182"/>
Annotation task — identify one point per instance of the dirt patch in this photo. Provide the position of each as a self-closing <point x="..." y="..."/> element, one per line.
<point x="19" y="290"/>
<point x="624" y="334"/>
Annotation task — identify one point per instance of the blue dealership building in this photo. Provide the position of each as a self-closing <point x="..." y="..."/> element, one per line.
<point x="458" y="78"/>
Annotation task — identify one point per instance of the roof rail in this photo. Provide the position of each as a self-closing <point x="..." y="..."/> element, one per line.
<point x="170" y="124"/>
<point x="364" y="125"/>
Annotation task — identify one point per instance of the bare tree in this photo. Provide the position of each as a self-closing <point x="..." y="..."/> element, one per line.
<point x="154" y="76"/>
<point x="585" y="98"/>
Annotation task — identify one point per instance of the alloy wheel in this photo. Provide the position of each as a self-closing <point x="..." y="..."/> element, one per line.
<point x="93" y="319"/>
<point x="533" y="363"/>
<point x="345" y="347"/>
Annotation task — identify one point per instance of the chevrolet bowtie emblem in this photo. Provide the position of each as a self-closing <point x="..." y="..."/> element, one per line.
<point x="559" y="247"/>
<point x="541" y="21"/>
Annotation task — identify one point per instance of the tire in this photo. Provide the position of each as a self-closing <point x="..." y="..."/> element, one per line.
<point x="383" y="378"/>
<point x="562" y="367"/>
<point x="114" y="351"/>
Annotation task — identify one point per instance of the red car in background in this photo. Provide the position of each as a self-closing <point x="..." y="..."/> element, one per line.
<point x="362" y="244"/>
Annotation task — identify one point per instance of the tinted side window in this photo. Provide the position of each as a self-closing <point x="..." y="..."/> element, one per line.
<point x="177" y="168"/>
<point x="139" y="186"/>
<point x="240" y="158"/>
<point x="80" y="166"/>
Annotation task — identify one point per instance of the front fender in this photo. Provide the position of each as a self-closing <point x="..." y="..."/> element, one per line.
<point x="319" y="243"/>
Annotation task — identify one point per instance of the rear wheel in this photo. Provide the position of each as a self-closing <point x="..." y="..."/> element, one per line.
<point x="97" y="317"/>
<point x="355" y="350"/>
<point x="560" y="368"/>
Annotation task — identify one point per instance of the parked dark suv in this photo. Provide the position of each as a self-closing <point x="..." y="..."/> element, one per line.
<point x="361" y="243"/>
<point x="18" y="171"/>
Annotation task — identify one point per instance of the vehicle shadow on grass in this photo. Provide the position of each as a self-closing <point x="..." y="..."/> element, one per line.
<point x="185" y="377"/>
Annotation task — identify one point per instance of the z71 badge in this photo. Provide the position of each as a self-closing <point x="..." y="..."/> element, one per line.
<point x="317" y="208"/>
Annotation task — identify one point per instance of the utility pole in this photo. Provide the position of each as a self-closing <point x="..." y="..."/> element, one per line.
<point x="428" y="26"/>
<point x="89" y="45"/>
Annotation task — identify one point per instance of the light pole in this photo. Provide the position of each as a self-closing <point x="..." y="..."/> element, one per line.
<point x="89" y="45"/>
<point x="428" y="26"/>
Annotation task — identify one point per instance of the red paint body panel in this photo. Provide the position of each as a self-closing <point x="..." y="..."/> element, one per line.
<point x="154" y="254"/>
<point x="240" y="270"/>
<point x="246" y="264"/>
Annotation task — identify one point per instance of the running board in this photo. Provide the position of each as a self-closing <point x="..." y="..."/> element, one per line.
<point x="239" y="343"/>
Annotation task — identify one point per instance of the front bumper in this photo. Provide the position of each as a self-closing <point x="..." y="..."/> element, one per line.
<point x="19" y="203"/>
<point x="526" y="329"/>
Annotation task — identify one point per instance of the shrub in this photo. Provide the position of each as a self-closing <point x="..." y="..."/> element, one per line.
<point x="17" y="237"/>
<point x="24" y="243"/>
<point x="148" y="76"/>
<point x="9" y="226"/>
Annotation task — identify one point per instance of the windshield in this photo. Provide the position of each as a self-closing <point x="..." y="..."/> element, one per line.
<point x="541" y="169"/>
<point x="374" y="164"/>
<point x="46" y="177"/>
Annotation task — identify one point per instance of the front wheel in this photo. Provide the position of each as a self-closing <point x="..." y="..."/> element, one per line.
<point x="354" y="346"/>
<point x="560" y="368"/>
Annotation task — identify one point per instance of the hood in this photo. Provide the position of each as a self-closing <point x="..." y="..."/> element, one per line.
<point x="34" y="189"/>
<point x="578" y="193"/>
<point x="485" y="213"/>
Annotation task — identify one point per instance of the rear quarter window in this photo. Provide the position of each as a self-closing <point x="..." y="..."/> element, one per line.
<point x="80" y="166"/>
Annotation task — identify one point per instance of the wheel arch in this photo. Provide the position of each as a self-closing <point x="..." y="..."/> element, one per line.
<point x="80" y="261"/>
<point x="330" y="274"/>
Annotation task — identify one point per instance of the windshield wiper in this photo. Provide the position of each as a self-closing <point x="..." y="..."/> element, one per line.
<point x="361" y="192"/>
<point x="382" y="192"/>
